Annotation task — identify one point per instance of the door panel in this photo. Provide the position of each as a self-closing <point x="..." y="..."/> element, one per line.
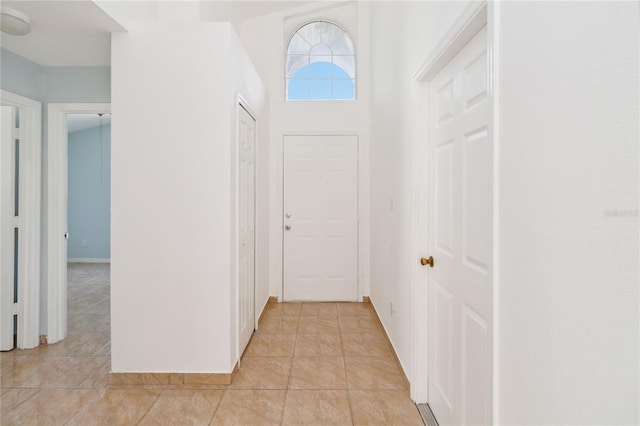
<point x="460" y="200"/>
<point x="321" y="212"/>
<point x="246" y="226"/>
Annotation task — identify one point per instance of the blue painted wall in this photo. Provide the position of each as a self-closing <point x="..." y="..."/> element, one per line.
<point x="89" y="199"/>
<point x="21" y="76"/>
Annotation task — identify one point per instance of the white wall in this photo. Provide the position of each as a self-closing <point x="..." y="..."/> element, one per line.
<point x="265" y="39"/>
<point x="173" y="103"/>
<point x="568" y="289"/>
<point x="402" y="36"/>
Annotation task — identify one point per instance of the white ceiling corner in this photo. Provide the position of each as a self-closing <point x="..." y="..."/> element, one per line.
<point x="63" y="33"/>
<point x="78" y="32"/>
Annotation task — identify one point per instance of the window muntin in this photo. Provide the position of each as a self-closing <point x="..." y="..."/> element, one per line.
<point x="320" y="63"/>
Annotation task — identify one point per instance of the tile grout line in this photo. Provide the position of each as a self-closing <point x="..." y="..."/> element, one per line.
<point x="213" y="415"/>
<point x="151" y="406"/>
<point x="346" y="376"/>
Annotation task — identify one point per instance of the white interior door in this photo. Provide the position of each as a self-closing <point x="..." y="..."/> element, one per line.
<point x="460" y="227"/>
<point x="246" y="225"/>
<point x="9" y="226"/>
<point x="320" y="218"/>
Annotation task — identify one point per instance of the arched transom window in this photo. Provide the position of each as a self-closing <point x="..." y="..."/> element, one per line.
<point x="320" y="63"/>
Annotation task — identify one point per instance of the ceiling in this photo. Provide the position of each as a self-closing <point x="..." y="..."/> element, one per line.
<point x="77" y="32"/>
<point x="63" y="33"/>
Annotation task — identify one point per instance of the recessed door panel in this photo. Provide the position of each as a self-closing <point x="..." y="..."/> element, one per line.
<point x="475" y="368"/>
<point x="444" y="196"/>
<point x="475" y="193"/>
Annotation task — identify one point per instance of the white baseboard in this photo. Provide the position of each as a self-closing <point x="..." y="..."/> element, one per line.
<point x="88" y="260"/>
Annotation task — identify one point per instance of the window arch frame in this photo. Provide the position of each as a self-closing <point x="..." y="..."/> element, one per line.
<point x="288" y="78"/>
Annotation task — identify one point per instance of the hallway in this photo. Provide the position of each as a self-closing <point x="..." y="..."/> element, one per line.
<point x="310" y="363"/>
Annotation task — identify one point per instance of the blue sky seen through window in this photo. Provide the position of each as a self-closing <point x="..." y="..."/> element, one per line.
<point x="320" y="81"/>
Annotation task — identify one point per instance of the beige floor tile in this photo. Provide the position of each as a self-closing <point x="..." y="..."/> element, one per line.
<point x="355" y="309"/>
<point x="279" y="324"/>
<point x="359" y="324"/>
<point x="250" y="407"/>
<point x="383" y="407"/>
<point x="69" y="380"/>
<point x="317" y="407"/>
<point x="37" y="372"/>
<point x="291" y="308"/>
<point x="103" y="351"/>
<point x="318" y="325"/>
<point x="12" y="364"/>
<point x="84" y="344"/>
<point x="183" y="407"/>
<point x="49" y="407"/>
<point x="373" y="373"/>
<point x="318" y="373"/>
<point x="285" y="308"/>
<point x="365" y="344"/>
<point x="262" y="373"/>
<point x="11" y="398"/>
<point x="100" y="307"/>
<point x="266" y="344"/>
<point x="117" y="407"/>
<point x="273" y="308"/>
<point x="309" y="345"/>
<point x="319" y="309"/>
<point x="87" y="372"/>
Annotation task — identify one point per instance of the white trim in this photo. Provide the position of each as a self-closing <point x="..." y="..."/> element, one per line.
<point x="493" y="11"/>
<point x="30" y="192"/>
<point x="57" y="212"/>
<point x="88" y="260"/>
<point x="470" y="22"/>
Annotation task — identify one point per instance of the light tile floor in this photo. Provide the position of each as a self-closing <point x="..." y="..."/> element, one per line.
<point x="309" y="363"/>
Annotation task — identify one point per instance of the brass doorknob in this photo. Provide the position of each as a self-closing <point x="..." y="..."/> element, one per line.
<point x="425" y="262"/>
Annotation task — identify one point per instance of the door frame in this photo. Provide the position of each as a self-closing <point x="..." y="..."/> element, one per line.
<point x="30" y="112"/>
<point x="476" y="16"/>
<point x="363" y="208"/>
<point x="57" y="187"/>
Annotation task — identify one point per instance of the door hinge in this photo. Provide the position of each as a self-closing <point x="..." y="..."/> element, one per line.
<point x="14" y="309"/>
<point x="16" y="133"/>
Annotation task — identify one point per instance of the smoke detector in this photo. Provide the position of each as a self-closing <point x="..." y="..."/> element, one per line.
<point x="14" y="22"/>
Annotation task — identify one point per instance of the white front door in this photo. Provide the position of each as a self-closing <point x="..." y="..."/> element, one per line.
<point x="460" y="228"/>
<point x="246" y="225"/>
<point x="9" y="226"/>
<point x="320" y="218"/>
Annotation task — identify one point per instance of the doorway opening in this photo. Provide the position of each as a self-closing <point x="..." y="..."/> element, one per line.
<point x="78" y="211"/>
<point x="89" y="222"/>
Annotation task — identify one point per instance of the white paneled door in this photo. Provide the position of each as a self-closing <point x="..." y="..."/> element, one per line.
<point x="460" y="227"/>
<point x="320" y="218"/>
<point x="9" y="225"/>
<point x="246" y="225"/>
